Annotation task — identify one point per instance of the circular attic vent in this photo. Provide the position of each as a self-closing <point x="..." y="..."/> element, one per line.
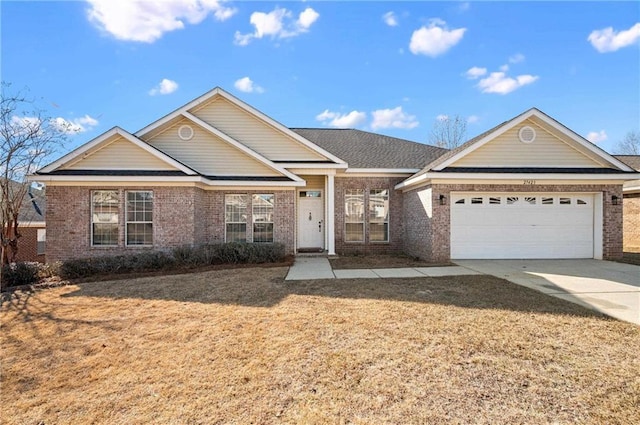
<point x="527" y="134"/>
<point x="185" y="132"/>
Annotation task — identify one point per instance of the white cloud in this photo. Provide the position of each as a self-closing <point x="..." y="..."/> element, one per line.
<point x="597" y="136"/>
<point x="165" y="86"/>
<point x="248" y="86"/>
<point x="66" y="126"/>
<point x="475" y="72"/>
<point x="435" y="39"/>
<point x="608" y="40"/>
<point x="74" y="126"/>
<point x="335" y="119"/>
<point x="393" y="118"/>
<point x="472" y="119"/>
<point x="517" y="58"/>
<point x="390" y="19"/>
<point x="504" y="68"/>
<point x="500" y="83"/>
<point x="277" y="24"/>
<point x="147" y="21"/>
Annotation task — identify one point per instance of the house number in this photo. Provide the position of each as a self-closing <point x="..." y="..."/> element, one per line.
<point x="528" y="182"/>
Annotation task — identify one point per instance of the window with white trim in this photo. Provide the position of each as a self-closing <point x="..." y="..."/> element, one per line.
<point x="262" y="214"/>
<point x="235" y="217"/>
<point x="41" y="237"/>
<point x="354" y="215"/>
<point x="139" y="214"/>
<point x="105" y="205"/>
<point x="379" y="215"/>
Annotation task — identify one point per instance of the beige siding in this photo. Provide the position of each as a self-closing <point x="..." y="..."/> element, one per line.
<point x="508" y="151"/>
<point x="120" y="155"/>
<point x="253" y="132"/>
<point x="208" y="154"/>
<point x="314" y="182"/>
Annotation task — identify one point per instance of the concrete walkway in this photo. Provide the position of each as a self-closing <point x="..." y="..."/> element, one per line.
<point x="605" y="286"/>
<point x="308" y="268"/>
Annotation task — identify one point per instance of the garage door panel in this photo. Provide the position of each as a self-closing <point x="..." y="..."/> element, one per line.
<point x="524" y="228"/>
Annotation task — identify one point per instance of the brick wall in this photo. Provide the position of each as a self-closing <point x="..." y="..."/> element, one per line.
<point x="396" y="219"/>
<point x="631" y="222"/>
<point x="28" y="245"/>
<point x="429" y="237"/>
<point x="181" y="216"/>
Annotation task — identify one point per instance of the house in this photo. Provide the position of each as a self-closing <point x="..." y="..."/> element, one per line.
<point x="217" y="169"/>
<point x="631" y="206"/>
<point x="31" y="224"/>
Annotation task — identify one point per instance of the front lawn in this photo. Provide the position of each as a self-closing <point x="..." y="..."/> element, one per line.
<point x="244" y="346"/>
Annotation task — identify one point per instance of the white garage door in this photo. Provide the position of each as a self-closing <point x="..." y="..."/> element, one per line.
<point x="521" y="225"/>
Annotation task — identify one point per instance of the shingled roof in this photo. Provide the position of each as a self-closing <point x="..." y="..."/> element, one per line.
<point x="632" y="161"/>
<point x="361" y="149"/>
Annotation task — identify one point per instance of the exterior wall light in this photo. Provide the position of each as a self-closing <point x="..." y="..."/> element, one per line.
<point x="615" y="200"/>
<point x="443" y="200"/>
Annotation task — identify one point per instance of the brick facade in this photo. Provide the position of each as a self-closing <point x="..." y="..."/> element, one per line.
<point x="181" y="216"/>
<point x="428" y="237"/>
<point x="193" y="216"/>
<point x="28" y="245"/>
<point x="631" y="222"/>
<point x="396" y="219"/>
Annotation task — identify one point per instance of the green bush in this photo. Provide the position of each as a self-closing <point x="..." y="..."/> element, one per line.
<point x="46" y="270"/>
<point x="22" y="273"/>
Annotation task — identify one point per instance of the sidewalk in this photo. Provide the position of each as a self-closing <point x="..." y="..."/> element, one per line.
<point x="309" y="268"/>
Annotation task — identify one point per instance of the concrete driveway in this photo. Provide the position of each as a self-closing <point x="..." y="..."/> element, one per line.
<point x="605" y="286"/>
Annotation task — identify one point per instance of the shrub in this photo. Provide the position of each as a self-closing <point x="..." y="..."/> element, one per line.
<point x="141" y="262"/>
<point x="46" y="270"/>
<point x="22" y="273"/>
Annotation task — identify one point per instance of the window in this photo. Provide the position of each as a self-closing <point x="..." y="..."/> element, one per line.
<point x="476" y="200"/>
<point x="41" y="236"/>
<point x="354" y="215"/>
<point x="235" y="216"/>
<point x="311" y="194"/>
<point x="565" y="201"/>
<point x="104" y="217"/>
<point x="547" y="201"/>
<point x="262" y="212"/>
<point x="379" y="215"/>
<point x="494" y="200"/>
<point x="139" y="213"/>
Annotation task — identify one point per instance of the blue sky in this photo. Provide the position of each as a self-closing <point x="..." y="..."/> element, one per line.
<point x="389" y="67"/>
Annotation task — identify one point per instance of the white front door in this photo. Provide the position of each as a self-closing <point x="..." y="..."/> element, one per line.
<point x="310" y="220"/>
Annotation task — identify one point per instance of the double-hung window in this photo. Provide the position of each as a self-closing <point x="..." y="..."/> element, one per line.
<point x="262" y="213"/>
<point x="105" y="205"/>
<point x="379" y="215"/>
<point x="139" y="213"/>
<point x="235" y="217"/>
<point x="354" y="215"/>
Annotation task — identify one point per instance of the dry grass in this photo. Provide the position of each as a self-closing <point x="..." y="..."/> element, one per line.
<point x="243" y="346"/>
<point x="379" y="262"/>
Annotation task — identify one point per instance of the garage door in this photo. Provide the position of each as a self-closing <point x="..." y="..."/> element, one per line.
<point x="521" y="225"/>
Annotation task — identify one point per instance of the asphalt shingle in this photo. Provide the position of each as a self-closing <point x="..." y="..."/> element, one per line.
<point x="361" y="149"/>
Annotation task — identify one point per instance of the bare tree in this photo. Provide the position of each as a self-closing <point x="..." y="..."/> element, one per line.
<point x="630" y="145"/>
<point x="448" y="131"/>
<point x="27" y="138"/>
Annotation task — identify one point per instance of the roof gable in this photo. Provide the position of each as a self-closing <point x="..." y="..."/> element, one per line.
<point x="116" y="150"/>
<point x="208" y="153"/>
<point x="248" y="126"/>
<point x="553" y="132"/>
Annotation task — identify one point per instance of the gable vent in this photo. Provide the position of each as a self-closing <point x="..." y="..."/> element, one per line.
<point x="527" y="134"/>
<point x="185" y="132"/>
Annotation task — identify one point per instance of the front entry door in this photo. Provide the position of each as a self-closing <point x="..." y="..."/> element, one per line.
<point x="310" y="221"/>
